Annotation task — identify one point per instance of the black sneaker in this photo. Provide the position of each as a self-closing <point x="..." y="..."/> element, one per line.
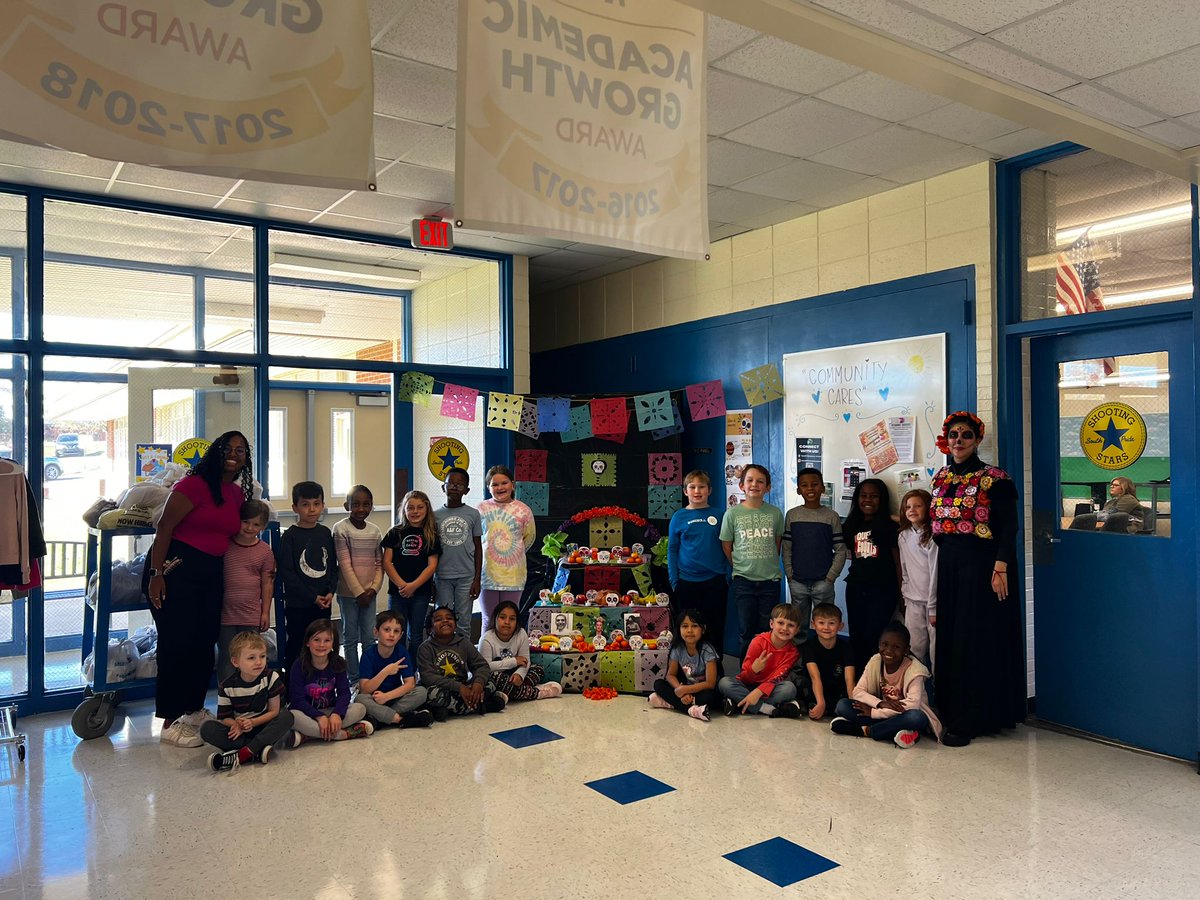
<point x="493" y="703"/>
<point x="730" y="708"/>
<point x="421" y="718"/>
<point x="788" y="710"/>
<point x="224" y="762"/>
<point x="842" y="725"/>
<point x="439" y="713"/>
<point x="953" y="739"/>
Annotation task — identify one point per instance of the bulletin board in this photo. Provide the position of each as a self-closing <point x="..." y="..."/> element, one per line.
<point x="889" y="394"/>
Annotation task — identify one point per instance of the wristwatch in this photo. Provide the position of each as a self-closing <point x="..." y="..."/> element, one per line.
<point x="154" y="573"/>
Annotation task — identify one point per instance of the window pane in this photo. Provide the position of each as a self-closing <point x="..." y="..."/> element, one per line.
<point x="277" y="462"/>
<point x="122" y="278"/>
<point x="1099" y="233"/>
<point x="456" y="317"/>
<point x="341" y="451"/>
<point x="1114" y="444"/>
<point x="12" y="261"/>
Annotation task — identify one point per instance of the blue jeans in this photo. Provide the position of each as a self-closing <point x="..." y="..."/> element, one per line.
<point x="414" y="610"/>
<point x="737" y="691"/>
<point x="358" y="627"/>
<point x="883" y="729"/>
<point x="754" y="600"/>
<point x="806" y="595"/>
<point x="456" y="593"/>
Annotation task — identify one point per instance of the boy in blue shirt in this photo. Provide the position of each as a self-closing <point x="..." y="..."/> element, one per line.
<point x="696" y="563"/>
<point x="387" y="684"/>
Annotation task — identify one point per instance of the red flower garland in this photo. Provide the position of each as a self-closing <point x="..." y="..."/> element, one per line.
<point x="597" y="512"/>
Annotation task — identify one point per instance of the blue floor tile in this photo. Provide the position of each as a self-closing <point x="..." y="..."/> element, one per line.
<point x="529" y="736"/>
<point x="780" y="861"/>
<point x="630" y="787"/>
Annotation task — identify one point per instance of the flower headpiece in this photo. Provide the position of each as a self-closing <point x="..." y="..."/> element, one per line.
<point x="943" y="445"/>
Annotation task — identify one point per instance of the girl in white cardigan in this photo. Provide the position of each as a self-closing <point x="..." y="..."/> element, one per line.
<point x="505" y="646"/>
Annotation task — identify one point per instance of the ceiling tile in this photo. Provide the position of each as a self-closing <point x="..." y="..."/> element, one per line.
<point x="734" y="101"/>
<point x="891" y="19"/>
<point x="719" y="232"/>
<point x="365" y="226"/>
<point x="981" y="15"/>
<point x="936" y="165"/>
<point x="805" y="128"/>
<point x="1095" y="37"/>
<point x="800" y="180"/>
<point x="864" y="187"/>
<point x="162" y="195"/>
<point x="382" y="13"/>
<point x="1173" y="132"/>
<point x="427" y="31"/>
<point x="787" y="66"/>
<point x="726" y="205"/>
<point x="775" y="216"/>
<point x="177" y="181"/>
<point x="404" y="180"/>
<point x="962" y="123"/>
<point x="568" y="260"/>
<point x="1107" y="106"/>
<point x="435" y="151"/>
<point x="62" y="181"/>
<point x="411" y="90"/>
<point x="723" y="36"/>
<point x="385" y="208"/>
<point x="19" y="153"/>
<point x="1023" y="141"/>
<point x="729" y="163"/>
<point x="295" y="196"/>
<point x="995" y="60"/>
<point x="1169" y="84"/>
<point x="888" y="148"/>
<point x="877" y="95"/>
<point x="395" y="137"/>
<point x="266" y="211"/>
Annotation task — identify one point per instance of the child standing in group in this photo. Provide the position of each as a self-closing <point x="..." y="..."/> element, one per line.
<point x="410" y="557"/>
<point x="457" y="677"/>
<point x="889" y="701"/>
<point x="813" y="549"/>
<point x="505" y="646"/>
<point x="750" y="535"/>
<point x="873" y="585"/>
<point x="693" y="668"/>
<point x="764" y="674"/>
<point x="828" y="660"/>
<point x="696" y="563"/>
<point x="249" y="583"/>
<point x="918" y="564"/>
<point x="388" y="679"/>
<point x="508" y="533"/>
<point x="307" y="565"/>
<point x="459" y="531"/>
<point x="250" y="715"/>
<point x="319" y="691"/>
<point x="360" y="573"/>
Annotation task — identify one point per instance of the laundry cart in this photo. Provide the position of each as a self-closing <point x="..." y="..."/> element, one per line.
<point x="94" y="716"/>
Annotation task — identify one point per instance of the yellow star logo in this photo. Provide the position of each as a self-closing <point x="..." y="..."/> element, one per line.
<point x="448" y="668"/>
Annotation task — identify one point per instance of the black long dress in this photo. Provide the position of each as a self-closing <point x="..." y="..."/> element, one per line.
<point x="980" y="668"/>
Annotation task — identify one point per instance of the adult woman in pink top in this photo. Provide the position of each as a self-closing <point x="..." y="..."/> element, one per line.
<point x="184" y="581"/>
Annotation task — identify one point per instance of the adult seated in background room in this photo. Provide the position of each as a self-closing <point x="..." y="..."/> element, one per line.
<point x="1124" y="512"/>
<point x="184" y="581"/>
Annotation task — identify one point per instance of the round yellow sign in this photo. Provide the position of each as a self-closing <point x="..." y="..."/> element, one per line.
<point x="1113" y="435"/>
<point x="191" y="451"/>
<point x="447" y="453"/>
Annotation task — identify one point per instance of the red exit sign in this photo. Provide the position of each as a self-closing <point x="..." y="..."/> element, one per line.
<point x="432" y="234"/>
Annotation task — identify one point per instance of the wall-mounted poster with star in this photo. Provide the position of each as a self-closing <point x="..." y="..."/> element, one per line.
<point x="599" y="470"/>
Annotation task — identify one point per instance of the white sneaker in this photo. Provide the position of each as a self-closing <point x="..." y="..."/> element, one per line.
<point x="198" y="718"/>
<point x="181" y="734"/>
<point x="549" y="689"/>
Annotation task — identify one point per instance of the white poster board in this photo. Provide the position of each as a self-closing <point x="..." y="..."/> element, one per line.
<point x="840" y="393"/>
<point x="584" y="120"/>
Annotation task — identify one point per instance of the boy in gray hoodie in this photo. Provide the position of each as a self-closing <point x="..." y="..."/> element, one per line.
<point x="454" y="673"/>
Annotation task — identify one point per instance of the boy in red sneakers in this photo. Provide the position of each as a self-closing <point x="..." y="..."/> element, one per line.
<point x="250" y="712"/>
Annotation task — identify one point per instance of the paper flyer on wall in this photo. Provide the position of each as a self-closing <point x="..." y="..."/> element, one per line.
<point x="877" y="444"/>
<point x="910" y="480"/>
<point x="903" y="430"/>
<point x="151" y="460"/>
<point x="809" y="451"/>
<point x="853" y="471"/>
<point x="739" y="451"/>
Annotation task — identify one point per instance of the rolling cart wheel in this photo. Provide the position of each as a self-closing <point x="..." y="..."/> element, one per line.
<point x="92" y="718"/>
<point x="21" y="752"/>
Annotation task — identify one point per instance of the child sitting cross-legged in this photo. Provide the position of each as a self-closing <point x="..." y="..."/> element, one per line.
<point x="505" y="646"/>
<point x="387" y="684"/>
<point x="455" y="674"/>
<point x="319" y="691"/>
<point x="889" y="702"/>
<point x="762" y="686"/>
<point x="250" y="715"/>
<point x="692" y="667"/>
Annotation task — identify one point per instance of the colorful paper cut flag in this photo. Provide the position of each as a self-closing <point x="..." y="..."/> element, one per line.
<point x="554" y="414"/>
<point x="675" y="428"/>
<point x="605" y="531"/>
<point x="531" y="465"/>
<point x="610" y="416"/>
<point x="643" y="579"/>
<point x="615" y="438"/>
<point x="665" y="468"/>
<point x="762" y="385"/>
<point x="504" y="410"/>
<point x="653" y="410"/>
<point x="706" y="400"/>
<point x="599" y="470"/>
<point x="529" y="420"/>
<point x="534" y="495"/>
<point x="662" y="500"/>
<point x="581" y="424"/>
<point x="415" y="387"/>
<point x="458" y="402"/>
<point x="602" y="579"/>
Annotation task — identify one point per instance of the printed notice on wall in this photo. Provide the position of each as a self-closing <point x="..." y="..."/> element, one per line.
<point x="877" y="444"/>
<point x="903" y="430"/>
<point x="739" y="452"/>
<point x="271" y="91"/>
<point x="853" y="471"/>
<point x="584" y="120"/>
<point x="808" y="453"/>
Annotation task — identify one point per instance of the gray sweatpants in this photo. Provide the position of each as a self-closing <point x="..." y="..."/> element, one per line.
<point x="381" y="713"/>
<point x="308" y="726"/>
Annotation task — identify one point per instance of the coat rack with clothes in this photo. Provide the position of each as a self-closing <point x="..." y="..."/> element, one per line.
<point x="22" y="544"/>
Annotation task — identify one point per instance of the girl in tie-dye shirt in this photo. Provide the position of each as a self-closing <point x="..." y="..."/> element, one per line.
<point x="508" y="533"/>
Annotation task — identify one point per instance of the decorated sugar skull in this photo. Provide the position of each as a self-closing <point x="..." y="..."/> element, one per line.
<point x="612" y="599"/>
<point x="566" y="598"/>
<point x="615" y="553"/>
<point x="638" y="549"/>
<point x="544" y="596"/>
<point x="664" y="640"/>
<point x="603" y="556"/>
<point x="661" y="599"/>
<point x="535" y="639"/>
<point x="565" y="643"/>
<point x="591" y="597"/>
<point x="598" y="466"/>
<point x="599" y="642"/>
<point x="636" y="642"/>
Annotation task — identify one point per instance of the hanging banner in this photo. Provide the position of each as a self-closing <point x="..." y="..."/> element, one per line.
<point x="279" y="91"/>
<point x="584" y="120"/>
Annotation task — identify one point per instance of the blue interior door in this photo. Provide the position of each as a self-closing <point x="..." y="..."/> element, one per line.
<point x="1115" y="614"/>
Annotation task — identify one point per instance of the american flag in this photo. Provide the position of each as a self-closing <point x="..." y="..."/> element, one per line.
<point x="1077" y="284"/>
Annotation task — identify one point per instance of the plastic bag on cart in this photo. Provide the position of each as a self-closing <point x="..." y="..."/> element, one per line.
<point x="272" y="643"/>
<point x="122" y="661"/>
<point x="145" y="639"/>
<point x="126" y="586"/>
<point x="147" y="665"/>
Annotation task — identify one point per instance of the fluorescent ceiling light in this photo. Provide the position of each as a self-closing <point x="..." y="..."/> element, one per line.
<point x="1123" y="224"/>
<point x="1173" y="292"/>
<point x="298" y="314"/>
<point x="315" y="265"/>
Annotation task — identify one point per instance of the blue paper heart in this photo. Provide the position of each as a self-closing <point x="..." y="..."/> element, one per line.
<point x="816" y="395"/>
<point x="884" y="391"/>
<point x="930" y="471"/>
<point x="845" y="417"/>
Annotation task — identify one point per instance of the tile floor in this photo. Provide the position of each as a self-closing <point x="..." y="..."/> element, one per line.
<point x="450" y="812"/>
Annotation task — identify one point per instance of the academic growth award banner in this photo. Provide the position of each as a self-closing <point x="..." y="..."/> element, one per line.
<point x="271" y="91"/>
<point x="584" y="120"/>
